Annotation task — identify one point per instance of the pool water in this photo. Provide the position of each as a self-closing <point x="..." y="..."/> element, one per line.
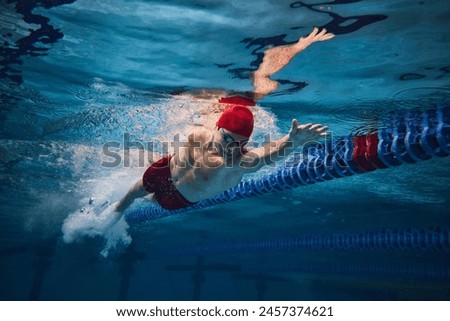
<point x="79" y="74"/>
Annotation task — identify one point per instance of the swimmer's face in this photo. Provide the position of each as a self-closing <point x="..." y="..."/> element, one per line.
<point x="230" y="144"/>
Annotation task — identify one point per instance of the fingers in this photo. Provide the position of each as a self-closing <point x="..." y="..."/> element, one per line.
<point x="327" y="36"/>
<point x="314" y="36"/>
<point x="318" y="128"/>
<point x="322" y="35"/>
<point x="305" y="126"/>
<point x="294" y="127"/>
<point x="307" y="132"/>
<point x="315" y="127"/>
<point x="311" y="36"/>
<point x="324" y="31"/>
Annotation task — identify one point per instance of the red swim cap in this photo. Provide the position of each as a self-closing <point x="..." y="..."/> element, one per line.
<point x="237" y="118"/>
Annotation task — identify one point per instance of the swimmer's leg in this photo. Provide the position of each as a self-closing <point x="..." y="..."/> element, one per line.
<point x="277" y="57"/>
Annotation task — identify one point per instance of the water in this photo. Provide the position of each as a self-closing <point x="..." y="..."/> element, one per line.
<point x="78" y="74"/>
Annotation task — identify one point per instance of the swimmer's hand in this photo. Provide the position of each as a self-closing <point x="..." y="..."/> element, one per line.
<point x="301" y="134"/>
<point x="314" y="36"/>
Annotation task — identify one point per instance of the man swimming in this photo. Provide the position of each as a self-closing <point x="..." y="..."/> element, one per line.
<point x="212" y="162"/>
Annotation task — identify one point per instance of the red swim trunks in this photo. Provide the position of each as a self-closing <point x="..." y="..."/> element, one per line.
<point x="157" y="179"/>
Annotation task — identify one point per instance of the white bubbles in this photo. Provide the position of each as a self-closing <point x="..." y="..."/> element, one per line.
<point x="87" y="222"/>
<point x="99" y="187"/>
<point x="97" y="216"/>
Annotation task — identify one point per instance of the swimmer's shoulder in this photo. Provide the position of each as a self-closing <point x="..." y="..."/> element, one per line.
<point x="200" y="134"/>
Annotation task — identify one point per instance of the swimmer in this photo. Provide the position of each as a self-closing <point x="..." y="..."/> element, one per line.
<point x="213" y="162"/>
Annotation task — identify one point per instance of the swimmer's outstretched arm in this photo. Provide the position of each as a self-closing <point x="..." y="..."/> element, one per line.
<point x="119" y="207"/>
<point x="277" y="57"/>
<point x="277" y="150"/>
<point x="136" y="191"/>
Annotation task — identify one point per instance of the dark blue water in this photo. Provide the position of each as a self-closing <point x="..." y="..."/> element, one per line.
<point x="77" y="74"/>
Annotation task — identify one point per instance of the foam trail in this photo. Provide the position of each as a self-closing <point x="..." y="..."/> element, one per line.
<point x="97" y="218"/>
<point x="89" y="223"/>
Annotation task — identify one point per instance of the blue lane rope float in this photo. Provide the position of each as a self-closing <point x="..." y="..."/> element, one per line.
<point x="403" y="138"/>
<point x="433" y="239"/>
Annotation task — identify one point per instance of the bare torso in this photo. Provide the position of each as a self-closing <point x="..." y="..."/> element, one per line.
<point x="199" y="172"/>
